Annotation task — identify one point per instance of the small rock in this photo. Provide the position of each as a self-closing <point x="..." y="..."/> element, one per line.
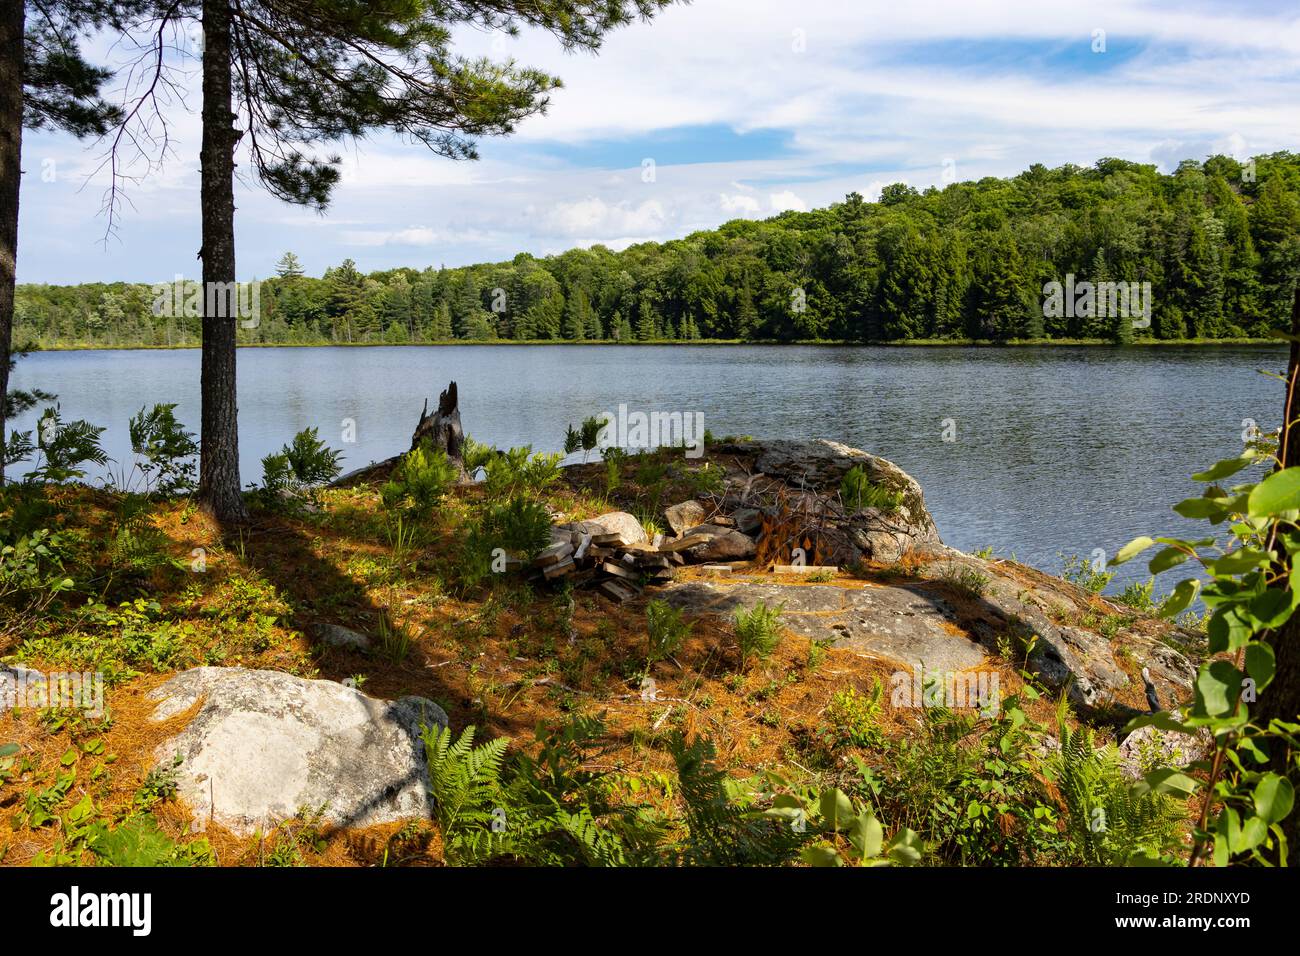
<point x="685" y="515"/>
<point x="1150" y="747"/>
<point x="729" y="546"/>
<point x="343" y="638"/>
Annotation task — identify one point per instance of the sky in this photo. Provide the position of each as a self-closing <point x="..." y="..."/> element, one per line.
<point x="716" y="110"/>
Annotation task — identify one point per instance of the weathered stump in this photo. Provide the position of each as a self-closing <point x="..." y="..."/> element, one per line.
<point x="442" y="429"/>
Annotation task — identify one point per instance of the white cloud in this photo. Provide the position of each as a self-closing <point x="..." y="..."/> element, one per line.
<point x="786" y="201"/>
<point x="856" y="109"/>
<point x="734" y="205"/>
<point x="595" y="217"/>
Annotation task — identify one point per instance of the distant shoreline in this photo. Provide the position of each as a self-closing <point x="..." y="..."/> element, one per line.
<point x="916" y="343"/>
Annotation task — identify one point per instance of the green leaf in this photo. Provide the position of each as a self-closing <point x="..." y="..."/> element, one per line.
<point x="1277" y="493"/>
<point x="1132" y="550"/>
<point x="836" y="807"/>
<point x="1260" y="663"/>
<point x="1167" y="558"/>
<point x="1220" y="686"/>
<point x="1238" y="562"/>
<point x="1166" y="781"/>
<point x="821" y="855"/>
<point x="1182" y="595"/>
<point x="867" y="835"/>
<point x="1274" y="797"/>
<point x="1201" y="507"/>
<point x="1229" y="466"/>
<point x="8" y="750"/>
<point x="906" y="848"/>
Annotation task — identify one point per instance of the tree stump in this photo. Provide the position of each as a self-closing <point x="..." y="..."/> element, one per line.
<point x="442" y="429"/>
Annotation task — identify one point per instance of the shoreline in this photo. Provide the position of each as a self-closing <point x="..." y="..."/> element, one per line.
<point x="824" y="343"/>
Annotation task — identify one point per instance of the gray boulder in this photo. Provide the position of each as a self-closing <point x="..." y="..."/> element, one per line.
<point x="813" y="469"/>
<point x="1148" y="748"/>
<point x="265" y="745"/>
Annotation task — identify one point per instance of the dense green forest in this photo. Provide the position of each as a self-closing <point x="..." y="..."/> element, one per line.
<point x="1218" y="241"/>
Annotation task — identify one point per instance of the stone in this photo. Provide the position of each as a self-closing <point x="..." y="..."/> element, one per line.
<point x="748" y="520"/>
<point x="265" y="745"/>
<point x="681" y="544"/>
<point x="816" y="467"/>
<point x="626" y="526"/>
<point x="728" y="545"/>
<point x="685" y="515"/>
<point x="1149" y="748"/>
<point x="342" y="638"/>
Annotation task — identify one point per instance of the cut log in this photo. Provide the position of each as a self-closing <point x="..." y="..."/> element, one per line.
<point x="442" y="429"/>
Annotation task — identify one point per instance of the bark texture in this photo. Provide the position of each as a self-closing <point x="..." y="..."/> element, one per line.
<point x="218" y="491"/>
<point x="12" y="16"/>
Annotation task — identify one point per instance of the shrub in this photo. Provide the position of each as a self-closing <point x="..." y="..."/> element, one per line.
<point x="859" y="492"/>
<point x="1138" y="595"/>
<point x="304" y="464"/>
<point x="1110" y="820"/>
<point x="966" y="579"/>
<point x="475" y="455"/>
<point x="585" y="437"/>
<point x="1081" y="572"/>
<point x="665" y="628"/>
<point x="854" y="718"/>
<point x="166" y="448"/>
<point x="420" y="480"/>
<point x="519" y="470"/>
<point x="758" y="631"/>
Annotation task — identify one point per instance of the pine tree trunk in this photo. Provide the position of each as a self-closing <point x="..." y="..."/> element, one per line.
<point x="11" y="143"/>
<point x="1281" y="699"/>
<point x="218" y="490"/>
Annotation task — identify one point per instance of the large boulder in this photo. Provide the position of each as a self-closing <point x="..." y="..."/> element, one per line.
<point x="265" y="745"/>
<point x="811" y="471"/>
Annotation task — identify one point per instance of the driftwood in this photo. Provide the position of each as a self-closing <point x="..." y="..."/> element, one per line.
<point x="442" y="430"/>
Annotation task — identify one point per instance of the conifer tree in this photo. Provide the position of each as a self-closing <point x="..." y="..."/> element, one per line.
<point x="281" y="77"/>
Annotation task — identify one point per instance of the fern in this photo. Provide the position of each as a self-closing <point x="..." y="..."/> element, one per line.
<point x="1109" y="819"/>
<point x="465" y="785"/>
<point x="721" y="830"/>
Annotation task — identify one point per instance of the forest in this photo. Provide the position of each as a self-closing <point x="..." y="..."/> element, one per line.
<point x="1216" y="240"/>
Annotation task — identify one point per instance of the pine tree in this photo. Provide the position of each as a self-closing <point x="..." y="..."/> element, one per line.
<point x="44" y="83"/>
<point x="289" y="267"/>
<point x="314" y="72"/>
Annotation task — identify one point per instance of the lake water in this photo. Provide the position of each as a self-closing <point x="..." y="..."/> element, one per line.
<point x="1056" y="449"/>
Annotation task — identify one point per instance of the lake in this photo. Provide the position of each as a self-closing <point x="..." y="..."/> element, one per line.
<point x="1053" y="449"/>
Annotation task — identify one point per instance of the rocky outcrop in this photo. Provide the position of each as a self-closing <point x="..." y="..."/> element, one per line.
<point x="807" y="476"/>
<point x="907" y="627"/>
<point x="265" y="745"/>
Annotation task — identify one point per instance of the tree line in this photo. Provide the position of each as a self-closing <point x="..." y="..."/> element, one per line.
<point x="1218" y="242"/>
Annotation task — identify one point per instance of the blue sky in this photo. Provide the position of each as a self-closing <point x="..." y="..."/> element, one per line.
<point x="739" y="108"/>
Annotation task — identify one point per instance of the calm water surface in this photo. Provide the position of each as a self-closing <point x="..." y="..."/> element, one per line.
<point x="1057" y="449"/>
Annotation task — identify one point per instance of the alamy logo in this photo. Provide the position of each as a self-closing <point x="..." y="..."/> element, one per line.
<point x="652" y="430"/>
<point x="73" y="909"/>
<point x="22" y="688"/>
<point x="1103" y="300"/>
<point x="182" y="298"/>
